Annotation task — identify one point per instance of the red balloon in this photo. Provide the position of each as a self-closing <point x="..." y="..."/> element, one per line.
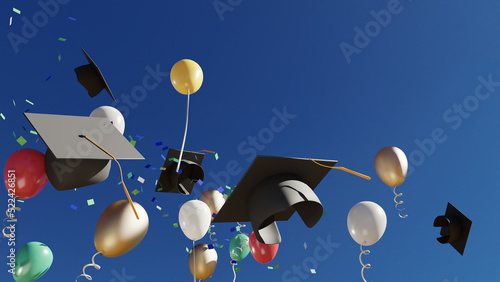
<point x="24" y="173"/>
<point x="262" y="253"/>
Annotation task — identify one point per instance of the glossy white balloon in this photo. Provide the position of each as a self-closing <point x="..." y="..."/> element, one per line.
<point x="391" y="166"/>
<point x="112" y="114"/>
<point x="213" y="199"/>
<point x="194" y="219"/>
<point x="366" y="223"/>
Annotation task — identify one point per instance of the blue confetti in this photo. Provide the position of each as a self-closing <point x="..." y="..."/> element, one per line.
<point x="71" y="18"/>
<point x="164" y="148"/>
<point x="163" y="157"/>
<point x="199" y="182"/>
<point x="232" y="229"/>
<point x="159" y="143"/>
<point x="148" y="166"/>
<point x="73" y="207"/>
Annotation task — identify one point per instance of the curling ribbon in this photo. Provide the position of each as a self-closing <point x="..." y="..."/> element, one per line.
<point x="398" y="203"/>
<point x="90" y="264"/>
<point x="367" y="266"/>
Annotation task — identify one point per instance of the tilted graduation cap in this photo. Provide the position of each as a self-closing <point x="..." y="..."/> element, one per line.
<point x="190" y="171"/>
<point x="91" y="78"/>
<point x="72" y="161"/>
<point x="455" y="228"/>
<point x="272" y="189"/>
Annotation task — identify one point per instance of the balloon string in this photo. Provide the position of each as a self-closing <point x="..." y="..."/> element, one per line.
<point x="121" y="173"/>
<point x="90" y="264"/>
<point x="367" y="266"/>
<point x="13" y="219"/>
<point x="344" y="169"/>
<point x="398" y="203"/>
<point x="212" y="233"/>
<point x="241" y="226"/>
<point x="234" y="272"/>
<point x="194" y="260"/>
<point x="185" y="133"/>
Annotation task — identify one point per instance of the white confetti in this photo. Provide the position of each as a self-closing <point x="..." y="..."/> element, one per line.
<point x="140" y="179"/>
<point x="158" y="207"/>
<point x="305" y="246"/>
<point x="313" y="271"/>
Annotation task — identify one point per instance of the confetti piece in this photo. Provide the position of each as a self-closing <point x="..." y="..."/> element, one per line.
<point x="220" y="190"/>
<point x="227" y="187"/>
<point x="159" y="143"/>
<point x="16" y="10"/>
<point x="139" y="136"/>
<point x="141" y="189"/>
<point x="228" y="239"/>
<point x="164" y="148"/>
<point x="59" y="57"/>
<point x="21" y="201"/>
<point x="270" y="267"/>
<point x="210" y="246"/>
<point x="305" y="246"/>
<point x="165" y="215"/>
<point x="313" y="271"/>
<point x="21" y="141"/>
<point x="148" y="166"/>
<point x="153" y="168"/>
<point x="140" y="179"/>
<point x="214" y="215"/>
<point x="324" y="212"/>
<point x="154" y="199"/>
<point x="119" y="183"/>
<point x="180" y="171"/>
<point x="276" y="267"/>
<point x="10" y="22"/>
<point x="187" y="250"/>
<point x="33" y="132"/>
<point x="156" y="182"/>
<point x="238" y="228"/>
<point x="130" y="175"/>
<point x="163" y="157"/>
<point x="173" y="160"/>
<point x="62" y="39"/>
<point x="90" y="202"/>
<point x="237" y="269"/>
<point x="199" y="182"/>
<point x="158" y="207"/>
<point x="71" y="18"/>
<point x="220" y="246"/>
<point x="176" y="225"/>
<point x="14" y="102"/>
<point x="27" y="110"/>
<point x="29" y="102"/>
<point x="133" y="142"/>
<point x="73" y="207"/>
<point x="13" y="132"/>
<point x="48" y="78"/>
<point x="162" y="168"/>
<point x="1" y="115"/>
<point x="232" y="229"/>
<point x="216" y="156"/>
<point x="135" y="192"/>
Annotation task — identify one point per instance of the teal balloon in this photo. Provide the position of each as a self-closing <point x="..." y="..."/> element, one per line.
<point x="32" y="261"/>
<point x="239" y="247"/>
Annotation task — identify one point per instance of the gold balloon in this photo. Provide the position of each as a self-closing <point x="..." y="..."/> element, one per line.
<point x="205" y="261"/>
<point x="214" y="200"/>
<point x="391" y="166"/>
<point x="118" y="231"/>
<point x="186" y="75"/>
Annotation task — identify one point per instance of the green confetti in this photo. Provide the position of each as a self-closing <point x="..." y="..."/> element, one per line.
<point x="160" y="189"/>
<point x="90" y="202"/>
<point x="21" y="140"/>
<point x="33" y="132"/>
<point x="13" y="132"/>
<point x="220" y="246"/>
<point x="20" y="201"/>
<point x="29" y="102"/>
<point x="176" y="225"/>
<point x="173" y="160"/>
<point x="237" y="269"/>
<point x="62" y="39"/>
<point x="238" y="228"/>
<point x="129" y="175"/>
<point x="16" y="10"/>
<point x="216" y="156"/>
<point x="1" y="115"/>
<point x="133" y="142"/>
<point x="270" y="267"/>
<point x="135" y="192"/>
<point x="59" y="57"/>
<point x="324" y="212"/>
<point x="187" y="250"/>
<point x="276" y="267"/>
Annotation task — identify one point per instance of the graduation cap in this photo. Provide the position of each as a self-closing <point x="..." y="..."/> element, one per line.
<point x="190" y="171"/>
<point x="271" y="190"/>
<point x="455" y="228"/>
<point x="72" y="161"/>
<point x="91" y="78"/>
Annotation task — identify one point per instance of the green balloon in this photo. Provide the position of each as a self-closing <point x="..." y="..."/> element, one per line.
<point x="32" y="261"/>
<point x="238" y="248"/>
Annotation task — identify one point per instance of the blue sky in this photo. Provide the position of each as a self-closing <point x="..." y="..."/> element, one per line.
<point x="406" y="77"/>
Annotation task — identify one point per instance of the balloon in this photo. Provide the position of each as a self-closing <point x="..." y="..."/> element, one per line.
<point x="194" y="219"/>
<point x="112" y="114"/>
<point x="32" y="261"/>
<point x="24" y="173"/>
<point x="262" y="253"/>
<point x="366" y="223"/>
<point x="238" y="247"/>
<point x="206" y="261"/>
<point x="391" y="166"/>
<point x="118" y="231"/>
<point x="213" y="199"/>
<point x="186" y="75"/>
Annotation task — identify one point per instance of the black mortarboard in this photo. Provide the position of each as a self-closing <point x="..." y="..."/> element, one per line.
<point x="91" y="78"/>
<point x="72" y="161"/>
<point x="190" y="172"/>
<point x="272" y="189"/>
<point x="455" y="228"/>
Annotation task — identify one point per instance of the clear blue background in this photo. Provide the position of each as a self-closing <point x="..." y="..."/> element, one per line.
<point x="258" y="56"/>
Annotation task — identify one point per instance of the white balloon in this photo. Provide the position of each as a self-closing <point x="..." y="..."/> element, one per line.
<point x="213" y="199"/>
<point x="112" y="114"/>
<point x="366" y="223"/>
<point x="194" y="219"/>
